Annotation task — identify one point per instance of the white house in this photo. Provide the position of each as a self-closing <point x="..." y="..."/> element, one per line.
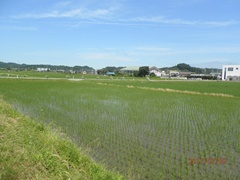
<point x="155" y="70"/>
<point x="43" y="69"/>
<point x="231" y="72"/>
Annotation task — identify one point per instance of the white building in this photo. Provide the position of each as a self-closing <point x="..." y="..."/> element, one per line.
<point x="43" y="69"/>
<point x="155" y="70"/>
<point x="173" y="73"/>
<point x="231" y="73"/>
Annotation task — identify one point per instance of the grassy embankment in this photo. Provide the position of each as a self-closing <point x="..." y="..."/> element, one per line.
<point x="30" y="150"/>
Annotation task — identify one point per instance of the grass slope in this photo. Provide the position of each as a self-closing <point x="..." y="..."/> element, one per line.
<point x="30" y="150"/>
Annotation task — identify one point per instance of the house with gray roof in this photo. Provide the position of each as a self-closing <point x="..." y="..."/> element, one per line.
<point x="129" y="70"/>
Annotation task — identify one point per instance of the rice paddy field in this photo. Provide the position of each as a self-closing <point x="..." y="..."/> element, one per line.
<point x="143" y="129"/>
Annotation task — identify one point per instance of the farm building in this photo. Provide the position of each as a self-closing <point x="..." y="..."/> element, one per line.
<point x="184" y="74"/>
<point x="129" y="70"/>
<point x="231" y="73"/>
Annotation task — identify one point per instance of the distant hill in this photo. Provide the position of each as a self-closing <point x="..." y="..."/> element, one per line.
<point x="182" y="67"/>
<point x="11" y="65"/>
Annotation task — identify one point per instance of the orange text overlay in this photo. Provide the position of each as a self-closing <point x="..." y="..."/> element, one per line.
<point x="207" y="161"/>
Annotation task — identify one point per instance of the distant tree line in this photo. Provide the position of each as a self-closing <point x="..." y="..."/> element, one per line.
<point x="15" y="66"/>
<point x="187" y="68"/>
<point x="143" y="71"/>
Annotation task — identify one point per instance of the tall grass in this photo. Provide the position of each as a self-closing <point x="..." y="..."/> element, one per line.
<point x="142" y="133"/>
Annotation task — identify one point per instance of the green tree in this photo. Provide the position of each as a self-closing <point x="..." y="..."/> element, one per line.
<point x="183" y="66"/>
<point x="143" y="71"/>
<point x="152" y="75"/>
<point x="136" y="73"/>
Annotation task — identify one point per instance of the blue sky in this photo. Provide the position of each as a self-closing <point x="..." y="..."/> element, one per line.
<point x="202" y="33"/>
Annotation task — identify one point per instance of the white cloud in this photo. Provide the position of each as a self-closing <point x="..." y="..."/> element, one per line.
<point x="178" y="21"/>
<point x="210" y="50"/>
<point x="171" y="52"/>
<point x="74" y="13"/>
<point x="107" y="57"/>
<point x="109" y="16"/>
<point x="62" y="4"/>
<point x="220" y="23"/>
<point x="164" y="20"/>
<point x="153" y="49"/>
<point x="210" y="62"/>
<point x="21" y="28"/>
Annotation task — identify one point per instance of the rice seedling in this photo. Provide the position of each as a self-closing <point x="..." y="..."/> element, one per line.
<point x="143" y="130"/>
